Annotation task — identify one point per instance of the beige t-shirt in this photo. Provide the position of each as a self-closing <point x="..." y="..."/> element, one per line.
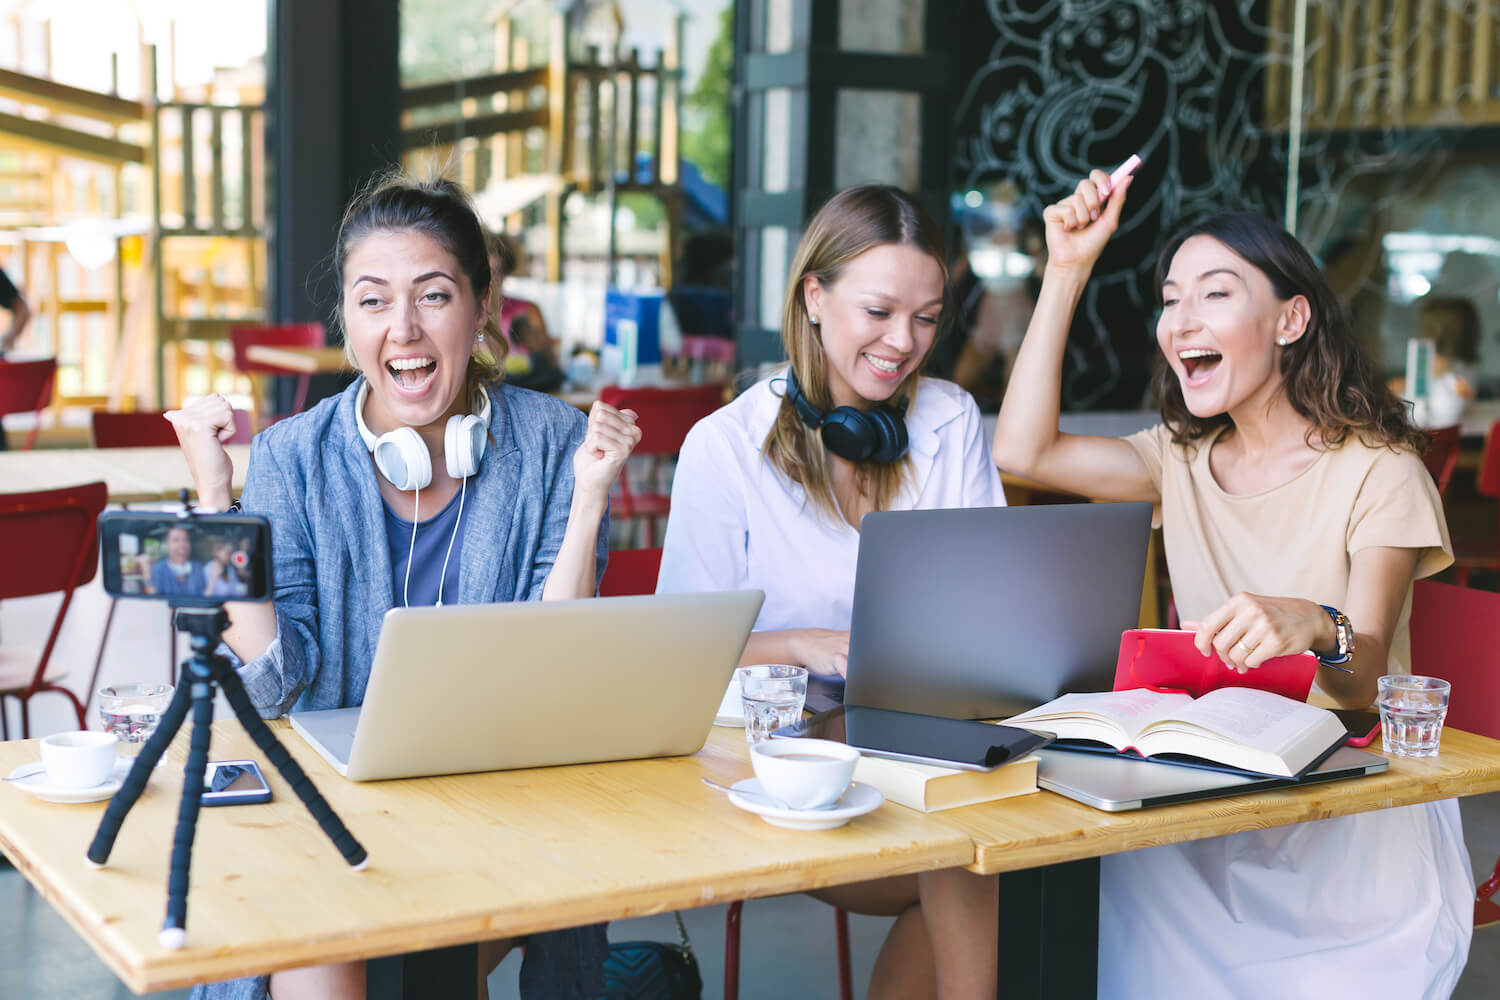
<point x="1296" y="539"/>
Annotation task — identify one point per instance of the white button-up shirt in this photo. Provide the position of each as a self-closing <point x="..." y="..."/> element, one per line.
<point x="737" y="523"/>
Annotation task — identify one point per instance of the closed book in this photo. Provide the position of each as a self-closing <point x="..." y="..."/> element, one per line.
<point x="928" y="787"/>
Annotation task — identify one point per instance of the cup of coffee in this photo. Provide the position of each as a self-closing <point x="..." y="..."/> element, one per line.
<point x="804" y="773"/>
<point x="79" y="759"/>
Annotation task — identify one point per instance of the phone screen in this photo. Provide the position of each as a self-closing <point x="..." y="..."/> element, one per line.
<point x="204" y="559"/>
<point x="234" y="781"/>
<point x="1363" y="725"/>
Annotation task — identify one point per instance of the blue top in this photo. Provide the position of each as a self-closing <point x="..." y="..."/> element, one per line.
<point x="164" y="580"/>
<point x="428" y="554"/>
<point x="312" y="478"/>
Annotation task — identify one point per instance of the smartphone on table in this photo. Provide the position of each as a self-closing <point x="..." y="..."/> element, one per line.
<point x="1362" y="723"/>
<point x="234" y="783"/>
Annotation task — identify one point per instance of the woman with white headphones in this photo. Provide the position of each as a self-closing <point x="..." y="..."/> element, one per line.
<point x="426" y="482"/>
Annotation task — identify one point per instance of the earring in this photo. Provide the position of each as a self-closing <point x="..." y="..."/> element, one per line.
<point x="813" y="320"/>
<point x="1281" y="341"/>
<point x="479" y="338"/>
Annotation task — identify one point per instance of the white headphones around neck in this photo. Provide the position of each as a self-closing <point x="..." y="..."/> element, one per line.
<point x="402" y="456"/>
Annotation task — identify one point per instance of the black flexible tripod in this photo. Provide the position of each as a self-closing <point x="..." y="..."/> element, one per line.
<point x="200" y="675"/>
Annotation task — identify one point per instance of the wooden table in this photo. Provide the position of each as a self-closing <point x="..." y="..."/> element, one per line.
<point x="471" y="857"/>
<point x="1047" y="850"/>
<point x="457" y="859"/>
<point x="299" y="360"/>
<point x="133" y="475"/>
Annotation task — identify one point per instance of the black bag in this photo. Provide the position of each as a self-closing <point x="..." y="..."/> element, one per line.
<point x="652" y="970"/>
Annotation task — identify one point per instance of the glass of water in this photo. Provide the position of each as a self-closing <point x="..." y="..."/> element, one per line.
<point x="1411" y="714"/>
<point x="131" y="712"/>
<point x="772" y="695"/>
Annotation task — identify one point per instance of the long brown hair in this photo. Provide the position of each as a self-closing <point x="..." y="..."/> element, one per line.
<point x="853" y="221"/>
<point x="394" y="202"/>
<point x="1326" y="375"/>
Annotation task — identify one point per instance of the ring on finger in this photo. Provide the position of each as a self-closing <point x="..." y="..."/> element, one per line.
<point x="1245" y="646"/>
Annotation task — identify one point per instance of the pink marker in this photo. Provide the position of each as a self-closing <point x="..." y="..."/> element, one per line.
<point x="1123" y="171"/>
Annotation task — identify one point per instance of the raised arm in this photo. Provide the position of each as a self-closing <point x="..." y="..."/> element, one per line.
<point x="608" y="442"/>
<point x="1027" y="440"/>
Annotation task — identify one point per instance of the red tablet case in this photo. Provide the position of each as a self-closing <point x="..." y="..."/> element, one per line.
<point x="1167" y="660"/>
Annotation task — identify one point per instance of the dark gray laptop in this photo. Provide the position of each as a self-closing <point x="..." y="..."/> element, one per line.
<point x="1118" y="784"/>
<point x="984" y="612"/>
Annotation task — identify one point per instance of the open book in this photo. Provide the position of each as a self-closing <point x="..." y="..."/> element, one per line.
<point x="1240" y="727"/>
<point x="928" y="787"/>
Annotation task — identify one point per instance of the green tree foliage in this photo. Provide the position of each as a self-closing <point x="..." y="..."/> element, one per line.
<point x="706" y="126"/>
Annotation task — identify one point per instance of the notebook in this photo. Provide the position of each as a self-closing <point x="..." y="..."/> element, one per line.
<point x="488" y="687"/>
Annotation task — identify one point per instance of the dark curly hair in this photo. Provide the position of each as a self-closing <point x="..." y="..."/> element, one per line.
<point x="1326" y="375"/>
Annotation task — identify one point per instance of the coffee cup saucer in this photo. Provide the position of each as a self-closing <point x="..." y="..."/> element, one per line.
<point x="857" y="800"/>
<point x="32" y="779"/>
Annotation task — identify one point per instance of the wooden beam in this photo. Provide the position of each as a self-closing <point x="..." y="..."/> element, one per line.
<point x="63" y="99"/>
<point x="453" y="91"/>
<point x="473" y="128"/>
<point x="31" y="134"/>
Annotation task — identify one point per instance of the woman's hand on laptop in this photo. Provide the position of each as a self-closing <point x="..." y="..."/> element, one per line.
<point x="822" y="650"/>
<point x="202" y="428"/>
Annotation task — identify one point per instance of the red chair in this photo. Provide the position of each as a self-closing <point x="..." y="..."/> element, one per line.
<point x="1483" y="553"/>
<point x="26" y="387"/>
<point x="1441" y="456"/>
<point x="285" y="335"/>
<point x="149" y="428"/>
<point x="665" y="417"/>
<point x="630" y="571"/>
<point x="49" y="543"/>
<point x="1454" y="631"/>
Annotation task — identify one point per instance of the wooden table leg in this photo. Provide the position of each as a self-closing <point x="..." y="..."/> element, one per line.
<point x="442" y="972"/>
<point x="1049" y="932"/>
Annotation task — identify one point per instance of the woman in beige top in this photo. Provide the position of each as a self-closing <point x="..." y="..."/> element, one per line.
<point x="1293" y="502"/>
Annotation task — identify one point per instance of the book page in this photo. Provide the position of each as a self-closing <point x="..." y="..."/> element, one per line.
<point x="1252" y="717"/>
<point x="1113" y="717"/>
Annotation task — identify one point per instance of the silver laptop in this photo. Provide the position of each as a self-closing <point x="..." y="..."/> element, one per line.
<point x="489" y="687"/>
<point x="1119" y="784"/>
<point x="984" y="612"/>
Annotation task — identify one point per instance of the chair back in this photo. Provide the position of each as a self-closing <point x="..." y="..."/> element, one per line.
<point x="1441" y="456"/>
<point x="631" y="571"/>
<point x="285" y="335"/>
<point x="49" y="543"/>
<point x="26" y="387"/>
<point x="1454" y="632"/>
<point x="150" y="428"/>
<point x="1488" y="480"/>
<point x="665" y="414"/>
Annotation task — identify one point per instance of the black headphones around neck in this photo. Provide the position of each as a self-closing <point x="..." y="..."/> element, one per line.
<point x="874" y="435"/>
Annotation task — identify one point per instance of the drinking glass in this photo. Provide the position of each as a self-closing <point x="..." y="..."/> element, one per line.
<point x="1411" y="714"/>
<point x="772" y="695"/>
<point x="131" y="712"/>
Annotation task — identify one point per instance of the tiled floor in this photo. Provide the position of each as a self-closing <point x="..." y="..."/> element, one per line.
<point x="787" y="948"/>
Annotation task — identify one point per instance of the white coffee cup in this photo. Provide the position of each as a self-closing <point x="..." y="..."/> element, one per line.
<point x="80" y="759"/>
<point x="805" y="774"/>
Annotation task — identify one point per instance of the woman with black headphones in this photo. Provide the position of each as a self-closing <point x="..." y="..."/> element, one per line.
<point x="769" y="492"/>
<point x="368" y="499"/>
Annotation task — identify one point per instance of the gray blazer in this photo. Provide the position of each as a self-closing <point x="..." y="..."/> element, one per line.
<point x="312" y="478"/>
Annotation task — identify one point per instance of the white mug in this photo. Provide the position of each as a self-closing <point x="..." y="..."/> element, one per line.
<point x="804" y="773"/>
<point x="80" y="759"/>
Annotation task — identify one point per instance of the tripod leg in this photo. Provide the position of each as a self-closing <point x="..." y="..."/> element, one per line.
<point x="353" y="852"/>
<point x="172" y="930"/>
<point x="140" y="771"/>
